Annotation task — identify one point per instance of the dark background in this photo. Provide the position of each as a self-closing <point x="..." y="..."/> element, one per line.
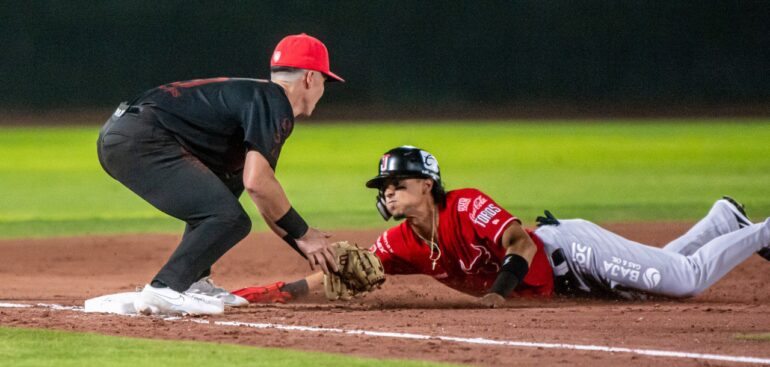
<point x="400" y="58"/>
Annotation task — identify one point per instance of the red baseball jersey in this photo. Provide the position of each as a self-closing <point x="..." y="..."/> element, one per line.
<point x="469" y="235"/>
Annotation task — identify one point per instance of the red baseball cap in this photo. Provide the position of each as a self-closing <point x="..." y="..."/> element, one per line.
<point x="303" y="52"/>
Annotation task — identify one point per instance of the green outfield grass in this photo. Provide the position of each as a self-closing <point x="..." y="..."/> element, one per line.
<point x="763" y="337"/>
<point x="51" y="182"/>
<point x="41" y="348"/>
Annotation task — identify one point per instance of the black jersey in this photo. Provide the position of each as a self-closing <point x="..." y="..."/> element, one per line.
<point x="218" y="120"/>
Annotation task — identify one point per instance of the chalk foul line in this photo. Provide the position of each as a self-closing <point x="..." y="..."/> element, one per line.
<point x="476" y="341"/>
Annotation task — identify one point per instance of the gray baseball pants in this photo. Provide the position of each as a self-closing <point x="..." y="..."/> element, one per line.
<point x="603" y="261"/>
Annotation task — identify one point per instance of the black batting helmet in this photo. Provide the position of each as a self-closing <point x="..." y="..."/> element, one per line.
<point x="407" y="162"/>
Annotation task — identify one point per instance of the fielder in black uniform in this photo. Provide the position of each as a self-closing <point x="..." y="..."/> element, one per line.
<point x="191" y="148"/>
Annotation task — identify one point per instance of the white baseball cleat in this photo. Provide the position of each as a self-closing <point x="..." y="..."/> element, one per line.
<point x="739" y="210"/>
<point x="166" y="301"/>
<point x="205" y="286"/>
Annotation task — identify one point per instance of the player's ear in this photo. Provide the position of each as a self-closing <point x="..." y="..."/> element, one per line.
<point x="428" y="185"/>
<point x="308" y="79"/>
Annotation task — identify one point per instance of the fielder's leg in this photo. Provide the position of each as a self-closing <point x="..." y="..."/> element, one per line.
<point x="723" y="218"/>
<point x="149" y="161"/>
<point x="234" y="183"/>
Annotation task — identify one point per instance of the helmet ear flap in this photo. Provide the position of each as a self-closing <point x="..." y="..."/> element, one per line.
<point x="381" y="207"/>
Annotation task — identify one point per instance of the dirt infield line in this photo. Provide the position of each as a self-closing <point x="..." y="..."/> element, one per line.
<point x="476" y="341"/>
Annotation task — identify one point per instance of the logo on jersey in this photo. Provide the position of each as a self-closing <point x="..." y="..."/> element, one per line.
<point x="382" y="244"/>
<point x="651" y="278"/>
<point x="478" y="202"/>
<point x="280" y="136"/>
<point x="581" y="254"/>
<point x="462" y="204"/>
<point x="276" y="56"/>
<point x="486" y="215"/>
<point x="482" y="262"/>
<point x="622" y="269"/>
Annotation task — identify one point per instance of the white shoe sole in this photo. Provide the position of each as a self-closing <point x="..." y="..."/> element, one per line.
<point x="150" y="303"/>
<point x="236" y="301"/>
<point x="239" y="301"/>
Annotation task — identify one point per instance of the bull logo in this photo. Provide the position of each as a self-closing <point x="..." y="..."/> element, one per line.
<point x="481" y="263"/>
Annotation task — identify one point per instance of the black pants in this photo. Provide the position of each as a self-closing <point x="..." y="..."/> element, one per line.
<point x="135" y="150"/>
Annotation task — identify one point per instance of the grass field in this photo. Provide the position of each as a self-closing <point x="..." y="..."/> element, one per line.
<point x="41" y="348"/>
<point x="52" y="184"/>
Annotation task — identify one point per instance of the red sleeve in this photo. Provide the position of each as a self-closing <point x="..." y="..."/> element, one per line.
<point x="387" y="251"/>
<point x="489" y="220"/>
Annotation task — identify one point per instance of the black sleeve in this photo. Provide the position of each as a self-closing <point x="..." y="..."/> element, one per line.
<point x="261" y="132"/>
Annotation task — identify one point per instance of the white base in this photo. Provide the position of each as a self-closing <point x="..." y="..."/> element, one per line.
<point x="118" y="303"/>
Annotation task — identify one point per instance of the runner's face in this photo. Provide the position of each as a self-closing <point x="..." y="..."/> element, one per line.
<point x="403" y="196"/>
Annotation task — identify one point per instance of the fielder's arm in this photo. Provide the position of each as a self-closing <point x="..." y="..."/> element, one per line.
<point x="360" y="272"/>
<point x="264" y="189"/>
<point x="519" y="251"/>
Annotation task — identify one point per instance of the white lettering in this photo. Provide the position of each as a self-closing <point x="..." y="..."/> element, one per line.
<point x="634" y="275"/>
<point x="486" y="215"/>
<point x="462" y="204"/>
<point x="385" y="244"/>
<point x="581" y="254"/>
<point x="478" y="202"/>
<point x="607" y="266"/>
<point x="618" y="271"/>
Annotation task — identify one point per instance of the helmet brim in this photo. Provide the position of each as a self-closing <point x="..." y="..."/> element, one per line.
<point x="378" y="181"/>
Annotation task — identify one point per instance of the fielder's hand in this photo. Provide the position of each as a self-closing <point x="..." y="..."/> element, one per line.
<point x="318" y="251"/>
<point x="491" y="300"/>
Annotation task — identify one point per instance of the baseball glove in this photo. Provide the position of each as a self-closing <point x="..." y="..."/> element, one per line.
<point x="360" y="271"/>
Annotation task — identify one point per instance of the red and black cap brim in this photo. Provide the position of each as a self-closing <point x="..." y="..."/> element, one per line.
<point x="331" y="77"/>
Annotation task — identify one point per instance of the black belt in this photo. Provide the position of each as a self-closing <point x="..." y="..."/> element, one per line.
<point x="134" y="110"/>
<point x="565" y="281"/>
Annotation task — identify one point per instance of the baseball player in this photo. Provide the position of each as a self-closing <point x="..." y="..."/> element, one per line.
<point x="467" y="241"/>
<point x="191" y="148"/>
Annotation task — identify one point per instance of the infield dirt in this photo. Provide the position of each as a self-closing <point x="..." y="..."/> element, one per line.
<point x="69" y="270"/>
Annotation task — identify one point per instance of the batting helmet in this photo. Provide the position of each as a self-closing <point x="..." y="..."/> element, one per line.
<point x="407" y="162"/>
